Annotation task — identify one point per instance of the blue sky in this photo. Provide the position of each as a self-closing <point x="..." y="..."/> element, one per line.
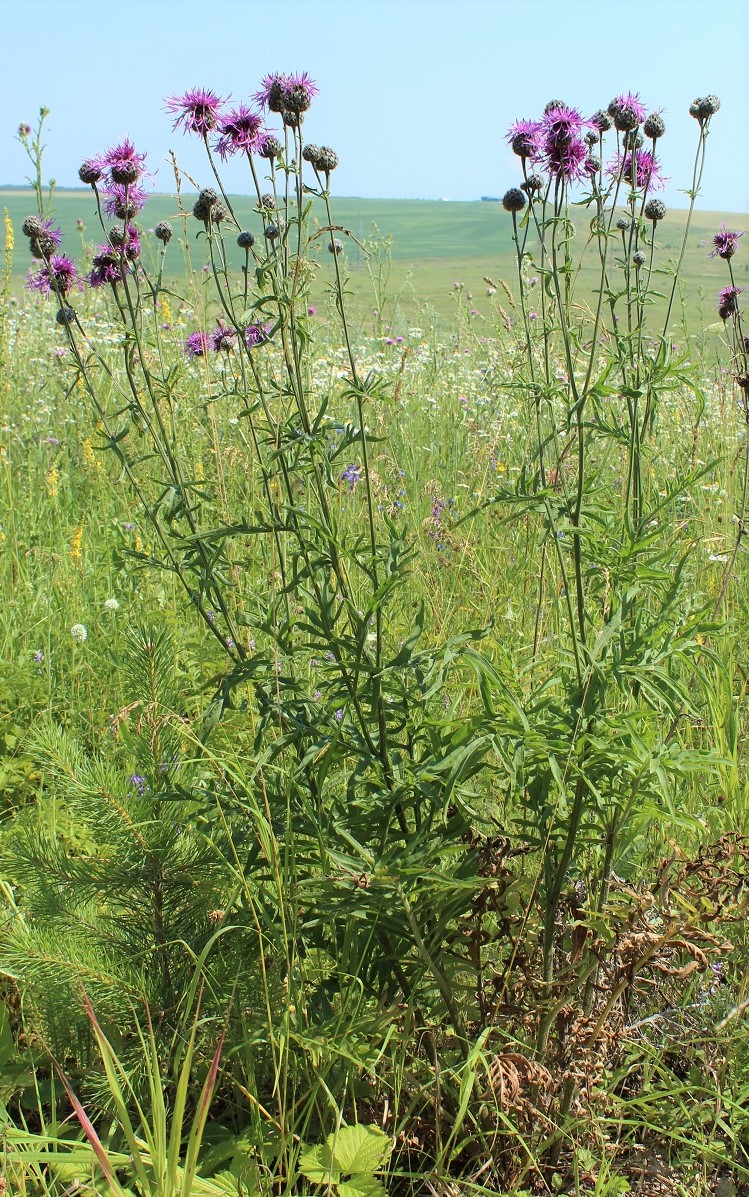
<point x="415" y="95"/>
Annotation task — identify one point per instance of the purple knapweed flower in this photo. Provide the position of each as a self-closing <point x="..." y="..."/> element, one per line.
<point x="123" y="203"/>
<point x="123" y="164"/>
<point x="726" y="244"/>
<point x="560" y="147"/>
<point x="647" y="169"/>
<point x="728" y="301"/>
<point x="196" y="345"/>
<point x="107" y="266"/>
<point x="197" y="111"/>
<point x="44" y="236"/>
<point x="223" y="338"/>
<point x="286" y="93"/>
<point x="627" y="111"/>
<point x="241" y="130"/>
<point x="58" y="275"/>
<point x="256" y="334"/>
<point x="522" y="136"/>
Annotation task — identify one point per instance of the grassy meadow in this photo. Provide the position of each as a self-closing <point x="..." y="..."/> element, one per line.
<point x="374" y="816"/>
<point x="427" y="246"/>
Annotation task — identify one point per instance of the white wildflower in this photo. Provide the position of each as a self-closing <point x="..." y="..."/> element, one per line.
<point x="79" y="633"/>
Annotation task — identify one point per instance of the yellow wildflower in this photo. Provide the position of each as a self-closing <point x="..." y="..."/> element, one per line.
<point x="52" y="479"/>
<point x="76" y="544"/>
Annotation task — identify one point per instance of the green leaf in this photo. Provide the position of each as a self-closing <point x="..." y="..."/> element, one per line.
<point x="362" y="1186"/>
<point x="318" y="1165"/>
<point x="359" y="1148"/>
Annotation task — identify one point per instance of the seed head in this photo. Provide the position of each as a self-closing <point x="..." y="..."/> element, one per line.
<point x="654" y="126"/>
<point x="655" y="210"/>
<point x="163" y="231"/>
<point x="245" y="240"/>
<point x="513" y="200"/>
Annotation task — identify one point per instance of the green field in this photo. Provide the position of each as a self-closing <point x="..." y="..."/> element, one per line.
<point x="430" y="245"/>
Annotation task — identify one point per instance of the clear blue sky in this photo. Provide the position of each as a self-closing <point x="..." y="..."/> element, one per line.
<point x="415" y="95"/>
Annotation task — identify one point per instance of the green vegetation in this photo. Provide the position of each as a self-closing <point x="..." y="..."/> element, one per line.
<point x="373" y="816"/>
<point x="429" y="246"/>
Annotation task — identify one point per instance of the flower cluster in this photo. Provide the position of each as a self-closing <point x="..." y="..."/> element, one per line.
<point x="562" y="144"/>
<point x="225" y="338"/>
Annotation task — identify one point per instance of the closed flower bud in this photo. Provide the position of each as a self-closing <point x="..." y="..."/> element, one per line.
<point x="654" y="126"/>
<point x="335" y="246"/>
<point x="622" y="224"/>
<point x="89" y="172"/>
<point x="163" y="231"/>
<point x="65" y="316"/>
<point x="655" y="210"/>
<point x="327" y="159"/>
<point x="245" y="240"/>
<point x="638" y="258"/>
<point x="291" y="119"/>
<point x="513" y="200"/>
<point x="704" y="107"/>
<point x="270" y="148"/>
<point x="532" y="184"/>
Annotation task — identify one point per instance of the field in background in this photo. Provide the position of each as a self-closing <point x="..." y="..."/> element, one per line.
<point x="430" y="245"/>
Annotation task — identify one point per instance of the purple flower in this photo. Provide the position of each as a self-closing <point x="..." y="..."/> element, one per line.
<point x="196" y="345"/>
<point x="123" y="203"/>
<point x="124" y="165"/>
<point x="728" y="301"/>
<point x="58" y="275"/>
<point x="352" y="475"/>
<point x="338" y="715"/>
<point x="44" y="237"/>
<point x="197" y="111"/>
<point x="523" y="137"/>
<point x="38" y="656"/>
<point x="647" y="167"/>
<point x="240" y="130"/>
<point x="286" y="93"/>
<point x="256" y="334"/>
<point x="223" y="337"/>
<point x="725" y="243"/>
<point x="311" y="311"/>
<point x="627" y="111"/>
<point x="560" y="147"/>
<point x="108" y="266"/>
<point x="138" y="782"/>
